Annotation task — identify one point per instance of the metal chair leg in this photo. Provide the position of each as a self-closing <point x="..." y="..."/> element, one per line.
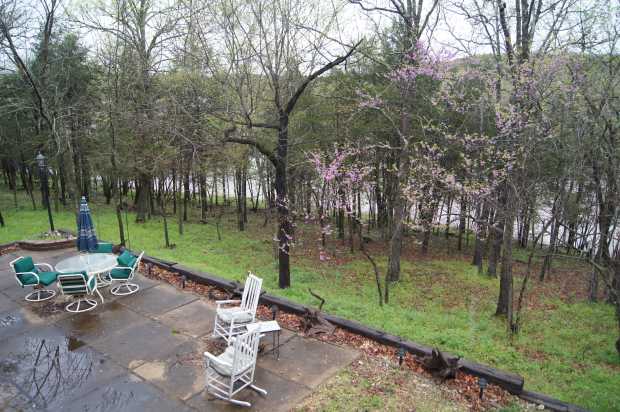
<point x="104" y="280"/>
<point x="39" y="295"/>
<point x="74" y="307"/>
<point x="100" y="295"/>
<point x="125" y="288"/>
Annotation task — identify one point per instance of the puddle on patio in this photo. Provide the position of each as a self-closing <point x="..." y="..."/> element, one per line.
<point x="45" y="370"/>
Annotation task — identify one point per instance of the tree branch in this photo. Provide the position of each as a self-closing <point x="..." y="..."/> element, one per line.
<point x="269" y="154"/>
<point x="293" y="100"/>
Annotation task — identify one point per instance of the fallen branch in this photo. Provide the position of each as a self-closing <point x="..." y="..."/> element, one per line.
<point x="312" y="321"/>
<point x="440" y="366"/>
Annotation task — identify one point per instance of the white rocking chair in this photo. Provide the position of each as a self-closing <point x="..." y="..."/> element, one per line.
<point x="233" y="370"/>
<point x="232" y="321"/>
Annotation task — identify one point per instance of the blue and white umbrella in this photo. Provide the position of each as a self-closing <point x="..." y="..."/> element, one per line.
<point x="87" y="238"/>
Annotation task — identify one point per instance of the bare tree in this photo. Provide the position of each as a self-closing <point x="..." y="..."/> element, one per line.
<point x="274" y="51"/>
<point x="146" y="32"/>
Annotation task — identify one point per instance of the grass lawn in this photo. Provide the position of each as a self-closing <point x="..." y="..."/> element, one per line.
<point x="565" y="348"/>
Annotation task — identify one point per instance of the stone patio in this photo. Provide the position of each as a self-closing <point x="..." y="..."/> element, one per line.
<point x="134" y="353"/>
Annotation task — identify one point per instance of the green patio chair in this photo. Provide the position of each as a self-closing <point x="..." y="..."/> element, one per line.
<point x="103" y="247"/>
<point x="128" y="264"/>
<point x="79" y="286"/>
<point x="27" y="273"/>
<point x="104" y="277"/>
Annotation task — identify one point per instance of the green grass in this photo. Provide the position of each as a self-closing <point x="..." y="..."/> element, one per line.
<point x="564" y="350"/>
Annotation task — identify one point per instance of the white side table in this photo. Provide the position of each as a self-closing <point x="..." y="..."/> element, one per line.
<point x="274" y="328"/>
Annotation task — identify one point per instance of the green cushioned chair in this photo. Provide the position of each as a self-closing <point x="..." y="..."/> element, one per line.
<point x="103" y="279"/>
<point x="79" y="286"/>
<point x="28" y="273"/>
<point x="103" y="247"/>
<point x="128" y="264"/>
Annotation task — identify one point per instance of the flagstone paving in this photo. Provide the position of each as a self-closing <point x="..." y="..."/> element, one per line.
<point x="141" y="352"/>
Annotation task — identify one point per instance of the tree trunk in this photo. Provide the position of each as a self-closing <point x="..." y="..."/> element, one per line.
<point x="496" y="236"/>
<point x="162" y="206"/>
<point x="546" y="266"/>
<point x="119" y="219"/>
<point x="479" y="224"/>
<point x="284" y="224"/>
<point x="224" y="187"/>
<point x="174" y="192"/>
<point x="462" y="221"/>
<point x="142" y="198"/>
<point x="401" y="163"/>
<point x="426" y="215"/>
<point x="203" y="197"/>
<point x="504" y="302"/>
<point x="239" y="198"/>
<point x="396" y="242"/>
<point x="186" y="192"/>
<point x="448" y="216"/>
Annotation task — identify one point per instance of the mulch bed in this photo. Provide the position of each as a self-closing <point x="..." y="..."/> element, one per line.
<point x="466" y="386"/>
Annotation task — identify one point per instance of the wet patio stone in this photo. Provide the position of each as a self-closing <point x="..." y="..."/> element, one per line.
<point x="147" y="341"/>
<point x="99" y="324"/>
<point x="282" y="394"/>
<point x="308" y="361"/>
<point x="195" y="319"/>
<point x="180" y="375"/>
<point x="157" y="300"/>
<point x="126" y="394"/>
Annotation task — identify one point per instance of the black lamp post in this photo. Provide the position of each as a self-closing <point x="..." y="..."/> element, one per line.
<point x="482" y="384"/>
<point x="42" y="163"/>
<point x="401" y="355"/>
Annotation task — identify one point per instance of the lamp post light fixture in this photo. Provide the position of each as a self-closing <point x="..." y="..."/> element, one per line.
<point x="42" y="163"/>
<point x="482" y="384"/>
<point x="401" y="355"/>
<point x="274" y="311"/>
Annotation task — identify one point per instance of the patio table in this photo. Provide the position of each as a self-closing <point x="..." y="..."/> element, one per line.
<point x="93" y="264"/>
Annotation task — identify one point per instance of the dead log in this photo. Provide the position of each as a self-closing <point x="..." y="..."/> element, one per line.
<point x="439" y="365"/>
<point x="312" y="321"/>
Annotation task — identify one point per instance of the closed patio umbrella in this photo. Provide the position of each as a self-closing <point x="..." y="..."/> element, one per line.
<point x="87" y="238"/>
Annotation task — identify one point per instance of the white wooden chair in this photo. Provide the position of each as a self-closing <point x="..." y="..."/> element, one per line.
<point x="233" y="370"/>
<point x="232" y="320"/>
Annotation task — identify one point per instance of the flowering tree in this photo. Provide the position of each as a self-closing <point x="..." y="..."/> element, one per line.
<point x="423" y="101"/>
<point x="339" y="175"/>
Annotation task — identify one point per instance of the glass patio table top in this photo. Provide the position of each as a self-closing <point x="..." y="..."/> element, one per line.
<point x="91" y="263"/>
